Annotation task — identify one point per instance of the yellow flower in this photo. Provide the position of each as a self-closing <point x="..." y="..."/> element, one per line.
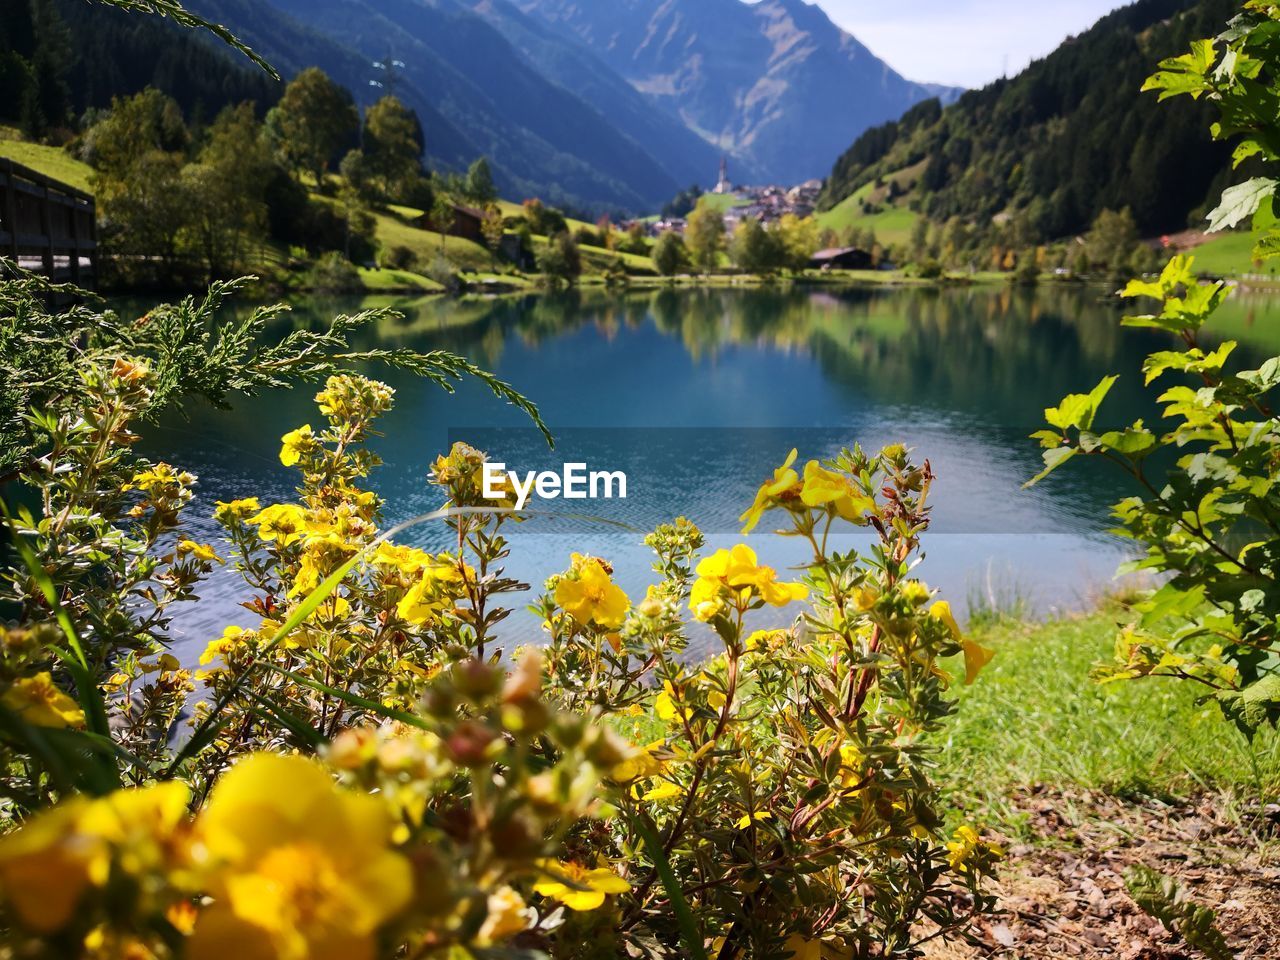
<point x="578" y="887"/>
<point x="229" y="511"/>
<point x="588" y="595"/>
<point x="665" y="704"/>
<point x="665" y="790"/>
<point x="774" y="592"/>
<point x="835" y="491"/>
<point x="737" y="575"/>
<point x="299" y="868"/>
<point x="748" y="819"/>
<point x="408" y="560"/>
<point x="201" y="551"/>
<point x="968" y="849"/>
<point x="51" y="861"/>
<point x="232" y="639"/>
<point x="39" y="701"/>
<point x="976" y="656"/>
<point x="441" y="585"/>
<point x="642" y="763"/>
<point x="284" y="523"/>
<point x="783" y="483"/>
<point x="295" y="443"/>
<point x="508" y="915"/>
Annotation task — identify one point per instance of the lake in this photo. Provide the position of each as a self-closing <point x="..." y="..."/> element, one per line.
<point x="698" y="394"/>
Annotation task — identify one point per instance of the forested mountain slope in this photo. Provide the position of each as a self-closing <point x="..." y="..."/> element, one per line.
<point x="1065" y="139"/>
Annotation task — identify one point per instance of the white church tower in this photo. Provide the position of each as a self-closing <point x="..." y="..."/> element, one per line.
<point x="723" y="185"/>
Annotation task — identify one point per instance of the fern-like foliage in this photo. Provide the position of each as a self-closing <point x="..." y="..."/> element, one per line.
<point x="1164" y="899"/>
<point x="190" y="352"/>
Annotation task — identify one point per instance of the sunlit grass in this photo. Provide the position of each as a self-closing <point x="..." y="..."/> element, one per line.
<point x="1035" y="717"/>
<point x="51" y="161"/>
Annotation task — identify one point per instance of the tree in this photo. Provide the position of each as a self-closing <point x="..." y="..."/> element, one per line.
<point x="755" y="249"/>
<point x="393" y="146"/>
<point x="705" y="236"/>
<point x="798" y="239"/>
<point x="226" y="190"/>
<point x="138" y="151"/>
<point x="134" y="126"/>
<point x="443" y="217"/>
<point x="1111" y="240"/>
<point x="670" y="255"/>
<point x="560" y="260"/>
<point x="494" y="228"/>
<point x="312" y="122"/>
<point x="479" y="187"/>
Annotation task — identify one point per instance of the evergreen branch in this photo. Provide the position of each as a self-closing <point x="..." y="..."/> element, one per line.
<point x="176" y="12"/>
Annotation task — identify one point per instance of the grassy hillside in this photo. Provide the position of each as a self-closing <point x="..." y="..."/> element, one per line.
<point x="51" y="161"/>
<point x="891" y="220"/>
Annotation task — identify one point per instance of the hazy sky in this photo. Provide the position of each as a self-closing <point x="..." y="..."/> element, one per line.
<point x="963" y="42"/>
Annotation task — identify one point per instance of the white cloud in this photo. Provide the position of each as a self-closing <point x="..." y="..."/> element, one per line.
<point x="964" y="42"/>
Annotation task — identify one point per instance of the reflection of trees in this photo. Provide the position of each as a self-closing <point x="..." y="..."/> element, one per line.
<point x="1001" y="353"/>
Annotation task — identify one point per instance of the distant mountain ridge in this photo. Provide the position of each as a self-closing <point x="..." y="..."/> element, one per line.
<point x="775" y="84"/>
<point x="475" y="93"/>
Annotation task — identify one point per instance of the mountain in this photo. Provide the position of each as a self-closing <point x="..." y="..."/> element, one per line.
<point x="775" y="84"/>
<point x="679" y="150"/>
<point x="59" y="58"/>
<point x="1068" y="137"/>
<point x="476" y="94"/>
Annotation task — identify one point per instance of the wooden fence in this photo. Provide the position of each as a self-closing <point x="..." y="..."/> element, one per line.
<point x="47" y="226"/>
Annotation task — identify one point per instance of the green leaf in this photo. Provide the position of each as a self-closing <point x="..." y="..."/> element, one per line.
<point x="1053" y="459"/>
<point x="1239" y="202"/>
<point x="1187" y="74"/>
<point x="1079" y="409"/>
<point x="693" y="941"/>
<point x="1163" y="898"/>
<point x="1245" y="150"/>
<point x="1256" y="706"/>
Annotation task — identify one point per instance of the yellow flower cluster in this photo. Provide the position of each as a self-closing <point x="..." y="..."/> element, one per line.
<point x="819" y="488"/>
<point x="38" y="700"/>
<point x="735" y="578"/>
<point x="291" y="865"/>
<point x="588" y="594"/>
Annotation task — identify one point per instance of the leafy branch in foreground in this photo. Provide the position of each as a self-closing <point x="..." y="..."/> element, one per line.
<point x="1237" y="71"/>
<point x="179" y="14"/>
<point x="188" y="353"/>
<point x="1210" y="530"/>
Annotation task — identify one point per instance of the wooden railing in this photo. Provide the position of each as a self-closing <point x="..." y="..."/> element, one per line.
<point x="47" y="226"/>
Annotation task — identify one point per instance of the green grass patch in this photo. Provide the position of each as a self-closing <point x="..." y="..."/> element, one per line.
<point x="724" y="202"/>
<point x="394" y="230"/>
<point x="386" y="279"/>
<point x="893" y="225"/>
<point x="1228" y="255"/>
<point x="1035" y="717"/>
<point x="51" y="161"/>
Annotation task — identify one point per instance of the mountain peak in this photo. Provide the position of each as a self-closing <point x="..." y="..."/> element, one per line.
<point x="776" y="83"/>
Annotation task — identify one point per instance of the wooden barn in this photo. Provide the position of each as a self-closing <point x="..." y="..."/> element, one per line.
<point x="841" y="258"/>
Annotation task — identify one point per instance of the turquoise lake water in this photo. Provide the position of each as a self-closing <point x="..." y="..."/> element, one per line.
<point x="697" y="395"/>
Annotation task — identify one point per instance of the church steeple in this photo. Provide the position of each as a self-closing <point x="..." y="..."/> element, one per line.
<point x="723" y="185"/>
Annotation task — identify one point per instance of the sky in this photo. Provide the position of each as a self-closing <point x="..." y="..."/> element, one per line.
<point x="964" y="42"/>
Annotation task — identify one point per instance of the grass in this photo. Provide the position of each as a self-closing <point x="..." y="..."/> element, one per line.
<point x="388" y="280"/>
<point x="393" y="229"/>
<point x="724" y="202"/>
<point x="893" y="225"/>
<point x="51" y="161"/>
<point x="1035" y="717"/>
<point x="1226" y="255"/>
